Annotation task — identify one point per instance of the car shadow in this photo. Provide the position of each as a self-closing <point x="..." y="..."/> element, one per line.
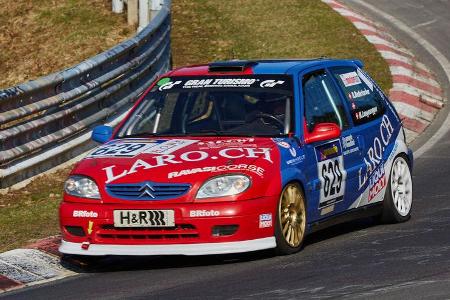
<point x="340" y="229"/>
<point x="130" y="263"/>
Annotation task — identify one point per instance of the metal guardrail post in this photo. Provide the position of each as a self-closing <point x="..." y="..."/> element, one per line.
<point x="155" y="7"/>
<point x="132" y="12"/>
<point x="117" y="6"/>
<point x="144" y="14"/>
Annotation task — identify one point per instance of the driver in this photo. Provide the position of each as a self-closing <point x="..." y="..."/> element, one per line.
<point x="275" y="108"/>
<point x="268" y="108"/>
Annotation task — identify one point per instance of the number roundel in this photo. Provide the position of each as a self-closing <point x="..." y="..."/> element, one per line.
<point x="332" y="177"/>
<point x="119" y="149"/>
<point x="332" y="174"/>
<point x="326" y="185"/>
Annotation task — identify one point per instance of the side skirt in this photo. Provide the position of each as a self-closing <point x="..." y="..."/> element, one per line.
<point x="350" y="215"/>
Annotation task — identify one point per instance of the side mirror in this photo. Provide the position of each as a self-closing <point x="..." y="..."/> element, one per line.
<point x="102" y="133"/>
<point x="322" y="132"/>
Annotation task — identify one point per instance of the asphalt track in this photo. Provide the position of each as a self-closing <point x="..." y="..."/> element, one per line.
<point x="354" y="260"/>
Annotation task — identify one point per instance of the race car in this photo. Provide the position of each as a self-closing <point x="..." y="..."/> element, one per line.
<point x="237" y="156"/>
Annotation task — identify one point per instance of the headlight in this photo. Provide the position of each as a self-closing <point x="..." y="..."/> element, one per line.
<point x="226" y="185"/>
<point x="81" y="186"/>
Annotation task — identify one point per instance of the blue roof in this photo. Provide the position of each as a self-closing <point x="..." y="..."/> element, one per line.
<point x="281" y="66"/>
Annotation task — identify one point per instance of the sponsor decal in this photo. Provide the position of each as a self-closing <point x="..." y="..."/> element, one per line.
<point x="327" y="210"/>
<point x="84" y="214"/>
<point x="169" y="85"/>
<point x="190" y="156"/>
<point x="348" y="142"/>
<point x="377" y="182"/>
<point x="296" y="160"/>
<point x="265" y="220"/>
<point x="293" y="152"/>
<point x="358" y="94"/>
<point x="255" y="81"/>
<point x="374" y="155"/>
<point x="169" y="146"/>
<point x="270" y="83"/>
<point x="219" y="82"/>
<point x="90" y="226"/>
<point x="349" y="145"/>
<point x="332" y="174"/>
<point x="350" y="79"/>
<point x="329" y="150"/>
<point x="284" y="144"/>
<point x="241" y="167"/>
<point x="163" y="81"/>
<point x="230" y="143"/>
<point x="373" y="86"/>
<point x="166" y="84"/>
<point x="203" y="213"/>
<point x="366" y="113"/>
<point x="350" y="151"/>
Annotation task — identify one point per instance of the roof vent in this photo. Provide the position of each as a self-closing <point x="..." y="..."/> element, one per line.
<point x="230" y="65"/>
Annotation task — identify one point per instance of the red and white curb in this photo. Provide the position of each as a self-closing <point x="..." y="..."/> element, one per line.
<point x="415" y="93"/>
<point x="36" y="264"/>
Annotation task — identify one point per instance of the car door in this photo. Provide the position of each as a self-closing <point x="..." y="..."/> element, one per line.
<point x="362" y="144"/>
<point x="326" y="170"/>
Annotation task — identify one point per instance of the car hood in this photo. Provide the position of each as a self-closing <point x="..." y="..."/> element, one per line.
<point x="182" y="160"/>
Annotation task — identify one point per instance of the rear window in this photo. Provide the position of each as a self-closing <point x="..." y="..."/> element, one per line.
<point x="364" y="101"/>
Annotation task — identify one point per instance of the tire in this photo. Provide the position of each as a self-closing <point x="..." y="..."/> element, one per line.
<point x="291" y="220"/>
<point x="397" y="201"/>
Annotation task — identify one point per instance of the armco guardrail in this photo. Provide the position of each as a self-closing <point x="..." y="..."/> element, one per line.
<point x="48" y="121"/>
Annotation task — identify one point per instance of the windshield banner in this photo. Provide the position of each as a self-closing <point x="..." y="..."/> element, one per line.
<point x="261" y="81"/>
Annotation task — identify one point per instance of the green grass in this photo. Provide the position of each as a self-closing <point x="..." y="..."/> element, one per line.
<point x="38" y="37"/>
<point x="203" y="31"/>
<point x="206" y="30"/>
<point x="32" y="212"/>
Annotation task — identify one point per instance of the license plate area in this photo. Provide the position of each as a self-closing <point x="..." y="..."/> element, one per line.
<point x="144" y="218"/>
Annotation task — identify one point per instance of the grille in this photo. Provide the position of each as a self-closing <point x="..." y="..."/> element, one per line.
<point x="182" y="231"/>
<point x="147" y="190"/>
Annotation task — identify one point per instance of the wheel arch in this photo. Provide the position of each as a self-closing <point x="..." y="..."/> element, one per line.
<point x="300" y="183"/>
<point x="290" y="175"/>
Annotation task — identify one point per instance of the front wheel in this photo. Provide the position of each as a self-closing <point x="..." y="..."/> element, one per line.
<point x="291" y="220"/>
<point x="398" y="199"/>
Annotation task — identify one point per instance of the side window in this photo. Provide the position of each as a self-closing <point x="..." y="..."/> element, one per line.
<point x="322" y="101"/>
<point x="365" y="103"/>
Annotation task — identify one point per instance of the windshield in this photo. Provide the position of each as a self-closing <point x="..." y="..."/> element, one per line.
<point x="224" y="106"/>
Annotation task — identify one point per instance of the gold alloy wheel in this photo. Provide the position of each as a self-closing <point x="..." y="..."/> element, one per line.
<point x="292" y="215"/>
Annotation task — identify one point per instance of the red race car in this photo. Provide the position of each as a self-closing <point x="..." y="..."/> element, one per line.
<point x="239" y="156"/>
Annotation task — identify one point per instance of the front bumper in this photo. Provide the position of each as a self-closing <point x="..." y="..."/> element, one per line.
<point x="192" y="235"/>
<point x="174" y="249"/>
